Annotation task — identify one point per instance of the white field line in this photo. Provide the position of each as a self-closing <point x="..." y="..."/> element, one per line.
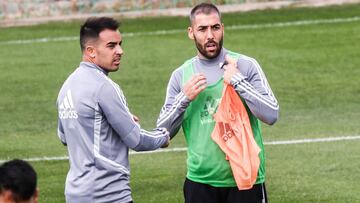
<point x="182" y="149"/>
<point x="175" y="31"/>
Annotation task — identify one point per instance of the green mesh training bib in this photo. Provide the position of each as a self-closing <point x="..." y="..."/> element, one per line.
<point x="206" y="162"/>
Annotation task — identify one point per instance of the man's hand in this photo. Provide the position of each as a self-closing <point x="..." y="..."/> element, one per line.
<point x="136" y="119"/>
<point x="194" y="86"/>
<point x="166" y="144"/>
<point x="166" y="132"/>
<point x="230" y="69"/>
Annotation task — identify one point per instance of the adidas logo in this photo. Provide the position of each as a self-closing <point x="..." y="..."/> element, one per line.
<point x="66" y="108"/>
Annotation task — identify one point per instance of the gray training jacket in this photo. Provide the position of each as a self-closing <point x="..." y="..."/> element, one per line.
<point x="98" y="129"/>
<point x="250" y="83"/>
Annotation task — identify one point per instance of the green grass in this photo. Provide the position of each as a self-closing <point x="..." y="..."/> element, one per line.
<point x="321" y="172"/>
<point x="305" y="173"/>
<point x="312" y="69"/>
<point x="295" y="173"/>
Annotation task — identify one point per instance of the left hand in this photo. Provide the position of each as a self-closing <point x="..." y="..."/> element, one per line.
<point x="136" y="119"/>
<point x="230" y="69"/>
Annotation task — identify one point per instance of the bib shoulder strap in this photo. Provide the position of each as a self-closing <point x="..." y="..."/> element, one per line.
<point x="233" y="55"/>
<point x="187" y="70"/>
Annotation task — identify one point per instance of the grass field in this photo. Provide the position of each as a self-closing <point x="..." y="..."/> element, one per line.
<point x="313" y="69"/>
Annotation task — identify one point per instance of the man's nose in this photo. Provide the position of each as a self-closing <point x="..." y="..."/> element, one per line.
<point x="209" y="33"/>
<point x="119" y="50"/>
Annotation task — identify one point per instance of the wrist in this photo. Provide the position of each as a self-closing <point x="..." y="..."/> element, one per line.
<point x="236" y="79"/>
<point x="184" y="100"/>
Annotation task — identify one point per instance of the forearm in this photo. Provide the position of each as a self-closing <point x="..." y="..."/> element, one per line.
<point x="258" y="97"/>
<point x="151" y="140"/>
<point x="172" y="114"/>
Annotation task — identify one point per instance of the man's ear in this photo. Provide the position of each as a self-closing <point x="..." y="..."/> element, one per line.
<point x="36" y="196"/>
<point x="90" y="51"/>
<point x="191" y="33"/>
<point x="7" y="196"/>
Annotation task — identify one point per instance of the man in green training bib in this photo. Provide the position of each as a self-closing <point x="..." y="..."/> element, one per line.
<point x="193" y="94"/>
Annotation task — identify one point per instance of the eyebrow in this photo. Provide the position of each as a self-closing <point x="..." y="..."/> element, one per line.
<point x="113" y="43"/>
<point x="204" y="26"/>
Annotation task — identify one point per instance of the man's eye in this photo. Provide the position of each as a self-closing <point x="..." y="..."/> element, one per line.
<point x="216" y="27"/>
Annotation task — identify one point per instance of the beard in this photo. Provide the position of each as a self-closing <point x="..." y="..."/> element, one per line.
<point x="209" y="54"/>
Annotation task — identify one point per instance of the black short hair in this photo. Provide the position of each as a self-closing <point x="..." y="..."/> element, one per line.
<point x="19" y="177"/>
<point x="205" y="8"/>
<point x="93" y="26"/>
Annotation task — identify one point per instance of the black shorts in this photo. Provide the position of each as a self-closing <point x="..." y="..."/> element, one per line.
<point x="202" y="193"/>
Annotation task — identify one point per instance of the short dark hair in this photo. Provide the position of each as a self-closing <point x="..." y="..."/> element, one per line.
<point x="93" y="26"/>
<point x="205" y="8"/>
<point x="19" y="177"/>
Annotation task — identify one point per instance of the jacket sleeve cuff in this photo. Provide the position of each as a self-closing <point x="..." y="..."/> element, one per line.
<point x="184" y="100"/>
<point x="236" y="79"/>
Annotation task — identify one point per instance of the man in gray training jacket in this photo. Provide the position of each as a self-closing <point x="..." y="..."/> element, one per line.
<point x="192" y="97"/>
<point x="95" y="123"/>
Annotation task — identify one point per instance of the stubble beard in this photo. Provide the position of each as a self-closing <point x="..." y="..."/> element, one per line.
<point x="202" y="48"/>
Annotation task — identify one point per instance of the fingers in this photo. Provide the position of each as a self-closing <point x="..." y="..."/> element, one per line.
<point x="197" y="83"/>
<point x="136" y="119"/>
<point x="230" y="69"/>
<point x="197" y="80"/>
<point x="165" y="132"/>
<point x="230" y="60"/>
<point x="194" y="86"/>
<point x="166" y="144"/>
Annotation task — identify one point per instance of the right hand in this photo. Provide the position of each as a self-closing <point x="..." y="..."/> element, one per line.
<point x="166" y="132"/>
<point x="194" y="86"/>
<point x="166" y="144"/>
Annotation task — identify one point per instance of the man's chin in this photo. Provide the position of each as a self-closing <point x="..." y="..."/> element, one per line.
<point x="116" y="66"/>
<point x="212" y="54"/>
<point x="113" y="69"/>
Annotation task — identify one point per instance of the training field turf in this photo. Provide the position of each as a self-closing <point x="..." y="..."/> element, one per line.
<point x="310" y="57"/>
